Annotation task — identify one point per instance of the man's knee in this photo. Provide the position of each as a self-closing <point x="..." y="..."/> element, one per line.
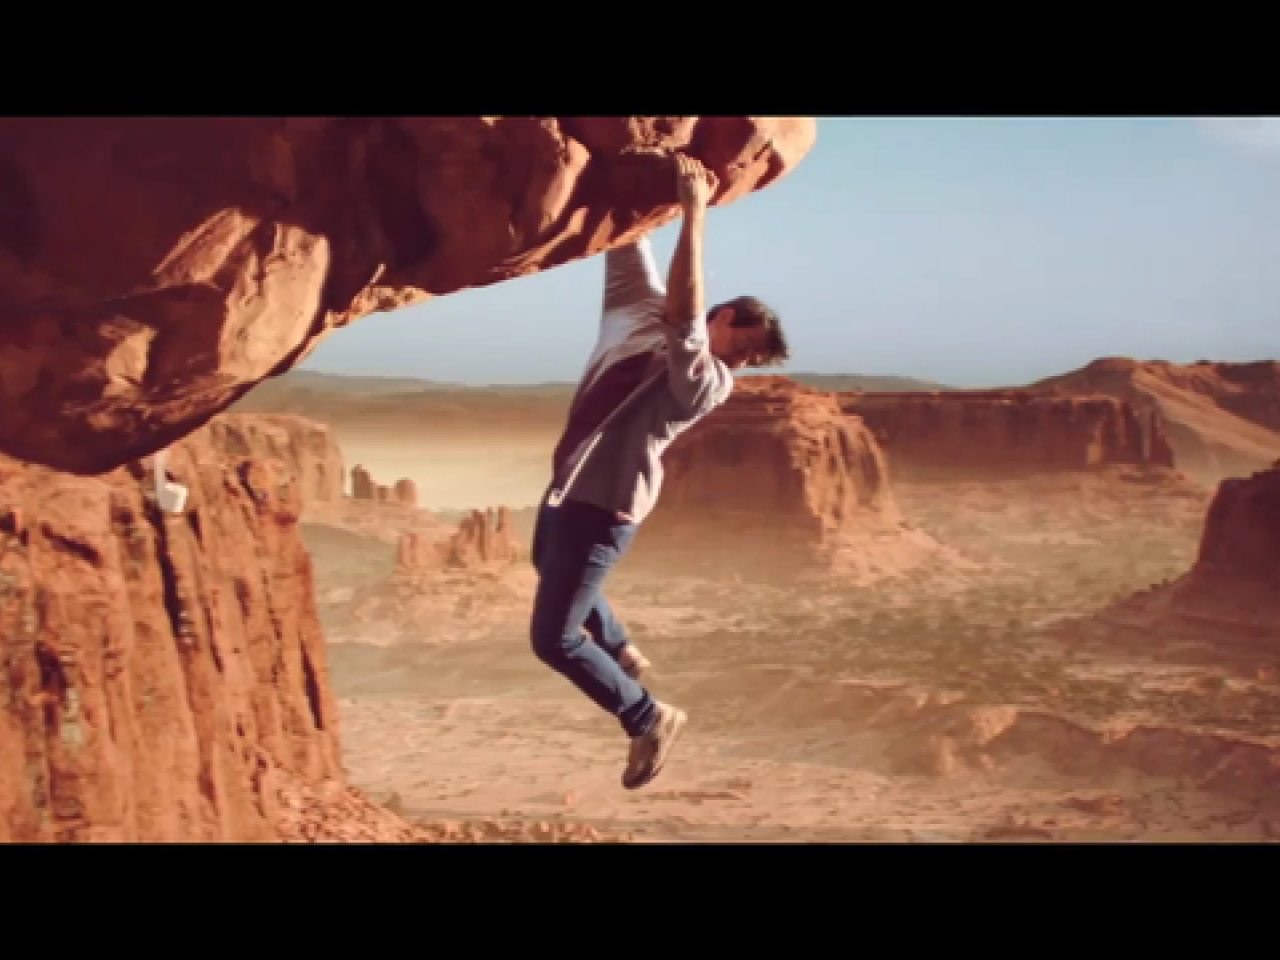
<point x="604" y="623"/>
<point x="547" y="640"/>
<point x="552" y="642"/>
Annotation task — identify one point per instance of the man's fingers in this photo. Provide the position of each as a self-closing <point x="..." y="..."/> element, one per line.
<point x="702" y="170"/>
<point x="690" y="171"/>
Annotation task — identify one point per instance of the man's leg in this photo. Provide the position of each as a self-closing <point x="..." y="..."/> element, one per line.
<point x="601" y="624"/>
<point x="579" y="545"/>
<point x="605" y="628"/>
<point x="608" y="633"/>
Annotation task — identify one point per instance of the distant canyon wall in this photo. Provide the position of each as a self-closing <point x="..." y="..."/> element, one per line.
<point x="969" y="435"/>
<point x="1220" y="419"/>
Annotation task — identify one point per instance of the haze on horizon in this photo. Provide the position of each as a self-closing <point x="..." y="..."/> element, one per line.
<point x="969" y="251"/>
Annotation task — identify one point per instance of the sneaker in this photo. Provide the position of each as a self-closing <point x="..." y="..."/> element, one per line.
<point x="649" y="751"/>
<point x="633" y="662"/>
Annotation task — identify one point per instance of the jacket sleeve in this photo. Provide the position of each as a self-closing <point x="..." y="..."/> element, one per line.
<point x="634" y="295"/>
<point x="699" y="380"/>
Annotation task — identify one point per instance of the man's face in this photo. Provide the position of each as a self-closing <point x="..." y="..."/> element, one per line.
<point x="736" y="347"/>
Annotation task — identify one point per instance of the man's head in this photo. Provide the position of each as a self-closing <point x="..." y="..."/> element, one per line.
<point x="746" y="333"/>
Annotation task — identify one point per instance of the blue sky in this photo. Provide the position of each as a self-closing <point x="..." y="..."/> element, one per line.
<point x="971" y="251"/>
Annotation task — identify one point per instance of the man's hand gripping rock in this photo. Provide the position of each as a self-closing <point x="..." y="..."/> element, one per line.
<point x="695" y="184"/>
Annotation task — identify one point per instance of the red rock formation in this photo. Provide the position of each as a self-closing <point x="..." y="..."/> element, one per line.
<point x="1221" y="418"/>
<point x="405" y="492"/>
<point x="417" y="551"/>
<point x="153" y="269"/>
<point x="483" y="540"/>
<point x="1229" y="600"/>
<point x="163" y="674"/>
<point x="375" y="510"/>
<point x="778" y="468"/>
<point x="1242" y="530"/>
<point x="982" y="435"/>
<point x="1249" y="390"/>
<point x="306" y="447"/>
<point x="362" y="486"/>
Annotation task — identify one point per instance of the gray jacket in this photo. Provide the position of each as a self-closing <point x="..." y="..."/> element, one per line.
<point x="645" y="383"/>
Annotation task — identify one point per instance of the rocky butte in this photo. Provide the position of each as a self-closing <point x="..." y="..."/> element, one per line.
<point x="484" y="540"/>
<point x="984" y="435"/>
<point x="154" y="269"/>
<point x="1230" y="598"/>
<point x="164" y="676"/>
<point x="403" y="493"/>
<point x="778" y="465"/>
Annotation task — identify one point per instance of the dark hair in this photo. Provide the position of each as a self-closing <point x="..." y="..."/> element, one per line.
<point x="749" y="312"/>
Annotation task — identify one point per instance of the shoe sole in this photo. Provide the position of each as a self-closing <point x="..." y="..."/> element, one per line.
<point x="659" y="761"/>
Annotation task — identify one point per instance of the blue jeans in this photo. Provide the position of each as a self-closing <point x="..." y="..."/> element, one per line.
<point x="575" y="545"/>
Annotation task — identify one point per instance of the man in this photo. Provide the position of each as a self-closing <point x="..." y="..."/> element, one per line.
<point x="660" y="365"/>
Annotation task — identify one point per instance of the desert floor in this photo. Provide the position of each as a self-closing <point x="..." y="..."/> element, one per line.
<point x="942" y="701"/>
<point x="454" y="473"/>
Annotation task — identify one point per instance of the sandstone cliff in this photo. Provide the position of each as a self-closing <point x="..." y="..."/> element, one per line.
<point x="777" y="470"/>
<point x="984" y="435"/>
<point x="308" y="451"/>
<point x="153" y="269"/>
<point x="163" y="675"/>
<point x="1242" y="531"/>
<point x="307" y="448"/>
<point x="1221" y="418"/>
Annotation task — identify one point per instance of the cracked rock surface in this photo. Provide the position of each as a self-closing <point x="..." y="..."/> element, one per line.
<point x="160" y="675"/>
<point x="152" y="270"/>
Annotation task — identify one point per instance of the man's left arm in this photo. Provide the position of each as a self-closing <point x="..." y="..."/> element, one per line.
<point x="698" y="380"/>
